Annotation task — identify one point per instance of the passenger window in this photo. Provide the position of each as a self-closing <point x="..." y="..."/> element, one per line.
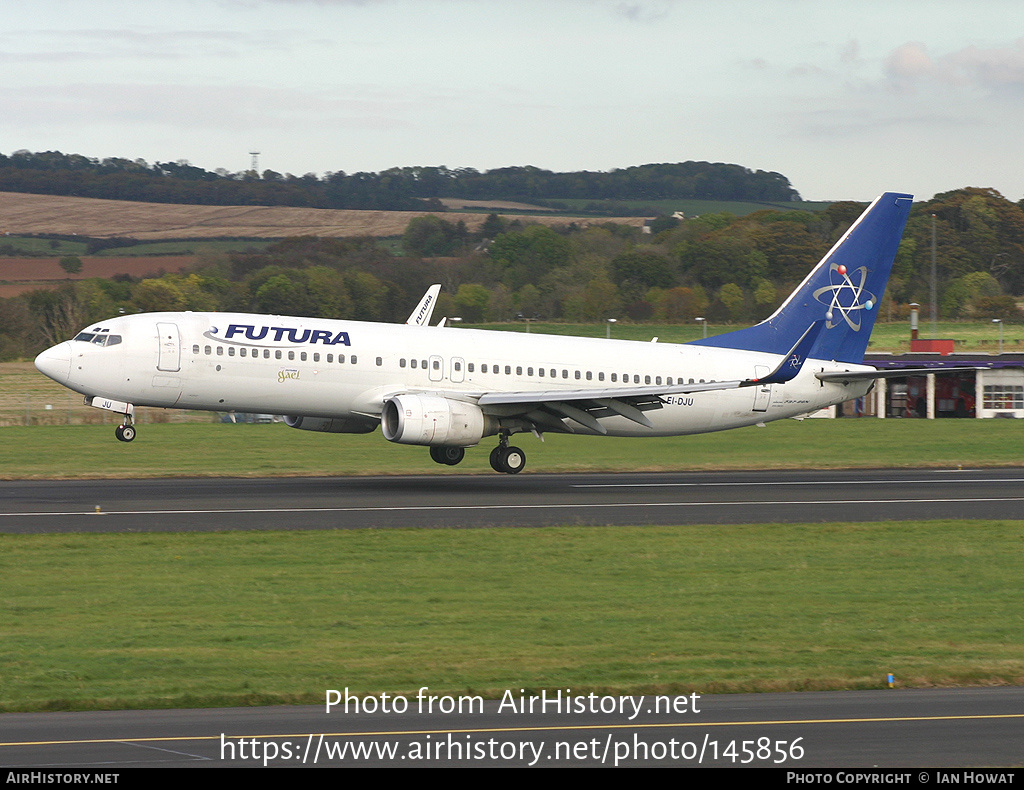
<point x="508" y="370"/>
<point x="195" y="349"/>
<point x="266" y="353"/>
<point x="341" y="359"/>
<point x="241" y="352"/>
<point x="540" y="371"/>
<point x="590" y="375"/>
<point x="207" y="350"/>
<point x="600" y="376"/>
<point x="615" y="376"/>
<point x="565" y="374"/>
<point x="220" y="351"/>
<point x="380" y="361"/>
<point x="529" y="371"/>
<point x="401" y="362"/>
<point x="412" y="363"/>
<point x="353" y="360"/>
<point x="636" y="378"/>
<point x="277" y="355"/>
<point x="231" y="351"/>
<point x="657" y="380"/>
<point x="437" y="365"/>
<point x="647" y="379"/>
<point x="483" y="367"/>
<point x="316" y="357"/>
<point x="458" y="365"/>
<point x="291" y="355"/>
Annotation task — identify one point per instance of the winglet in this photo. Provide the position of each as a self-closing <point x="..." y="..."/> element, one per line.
<point x="421" y="315"/>
<point x="794" y="360"/>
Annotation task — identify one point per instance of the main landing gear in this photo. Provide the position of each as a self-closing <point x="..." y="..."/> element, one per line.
<point x="507" y="459"/>
<point x="447" y="455"/>
<point x="504" y="458"/>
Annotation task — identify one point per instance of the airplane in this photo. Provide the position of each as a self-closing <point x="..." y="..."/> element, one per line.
<point x="448" y="388"/>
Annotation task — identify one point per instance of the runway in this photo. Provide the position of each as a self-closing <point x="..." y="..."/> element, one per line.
<point x="506" y="501"/>
<point x="870" y="729"/>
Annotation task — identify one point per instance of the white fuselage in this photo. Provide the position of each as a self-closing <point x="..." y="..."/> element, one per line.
<point x="347" y="369"/>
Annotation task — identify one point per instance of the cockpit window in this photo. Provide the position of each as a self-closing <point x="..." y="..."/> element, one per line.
<point x="98" y="339"/>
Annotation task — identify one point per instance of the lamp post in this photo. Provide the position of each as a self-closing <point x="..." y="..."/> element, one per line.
<point x="1000" y="322"/>
<point x="608" y="327"/>
<point x="703" y="323"/>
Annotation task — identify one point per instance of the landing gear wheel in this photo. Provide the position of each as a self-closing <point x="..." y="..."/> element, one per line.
<point x="447" y="455"/>
<point x="124" y="433"/>
<point x="510" y="460"/>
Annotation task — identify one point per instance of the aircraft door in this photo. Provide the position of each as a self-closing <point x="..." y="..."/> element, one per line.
<point x="436" y="369"/>
<point x="458" y="369"/>
<point x="762" y="392"/>
<point x="170" y="347"/>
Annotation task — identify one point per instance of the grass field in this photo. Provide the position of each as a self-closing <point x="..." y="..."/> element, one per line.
<point x="206" y="449"/>
<point x="183" y="620"/>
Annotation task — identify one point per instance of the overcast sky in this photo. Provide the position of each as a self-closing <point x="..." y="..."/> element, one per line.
<point x="847" y="99"/>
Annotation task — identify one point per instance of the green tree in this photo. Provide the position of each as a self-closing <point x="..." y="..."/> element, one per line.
<point x="731" y="296"/>
<point x="431" y="237"/>
<point x="471" y="301"/>
<point x="528" y="255"/>
<point x="72" y="264"/>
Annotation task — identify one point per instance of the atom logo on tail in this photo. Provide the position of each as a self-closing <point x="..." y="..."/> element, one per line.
<point x="845" y="296"/>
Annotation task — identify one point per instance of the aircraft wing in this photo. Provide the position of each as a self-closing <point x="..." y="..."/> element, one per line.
<point x="547" y="408"/>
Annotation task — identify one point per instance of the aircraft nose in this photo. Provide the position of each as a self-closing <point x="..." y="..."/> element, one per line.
<point x="55" y="362"/>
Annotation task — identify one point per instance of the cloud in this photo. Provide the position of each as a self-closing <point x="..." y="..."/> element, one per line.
<point x="1000" y="68"/>
<point x="140" y="44"/>
<point x="644" y="10"/>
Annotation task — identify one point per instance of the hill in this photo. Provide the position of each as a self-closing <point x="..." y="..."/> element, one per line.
<point x="22" y="213"/>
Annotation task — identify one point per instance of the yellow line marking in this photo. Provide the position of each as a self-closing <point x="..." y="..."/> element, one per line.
<point x="383" y="733"/>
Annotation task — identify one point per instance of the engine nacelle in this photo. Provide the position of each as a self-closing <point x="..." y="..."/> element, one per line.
<point x="331" y="424"/>
<point x="434" y="420"/>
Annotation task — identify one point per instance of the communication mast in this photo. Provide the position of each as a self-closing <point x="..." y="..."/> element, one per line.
<point x="255" y="161"/>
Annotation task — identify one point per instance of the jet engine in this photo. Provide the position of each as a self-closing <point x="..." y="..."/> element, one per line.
<point x="435" y="420"/>
<point x="331" y="424"/>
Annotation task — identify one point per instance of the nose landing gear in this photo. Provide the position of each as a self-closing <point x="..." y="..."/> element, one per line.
<point x="125" y="432"/>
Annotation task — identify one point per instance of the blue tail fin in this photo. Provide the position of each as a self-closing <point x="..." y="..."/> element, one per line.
<point x="844" y="290"/>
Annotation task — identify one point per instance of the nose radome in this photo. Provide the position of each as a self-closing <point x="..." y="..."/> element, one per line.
<point x="55" y="362"/>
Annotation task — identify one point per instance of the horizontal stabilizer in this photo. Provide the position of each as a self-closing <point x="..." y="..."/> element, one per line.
<point x="846" y="376"/>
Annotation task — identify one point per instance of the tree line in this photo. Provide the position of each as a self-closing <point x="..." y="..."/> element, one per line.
<point x="395" y="189"/>
<point x="725" y="268"/>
